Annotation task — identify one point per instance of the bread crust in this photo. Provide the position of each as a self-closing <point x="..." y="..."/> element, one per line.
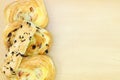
<point x="42" y="62"/>
<point x="32" y="10"/>
<point x="27" y="42"/>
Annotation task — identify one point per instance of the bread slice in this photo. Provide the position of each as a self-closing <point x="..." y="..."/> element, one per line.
<point x="18" y="48"/>
<point x="40" y="42"/>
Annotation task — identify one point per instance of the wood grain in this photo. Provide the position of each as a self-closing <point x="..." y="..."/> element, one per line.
<point x="86" y="37"/>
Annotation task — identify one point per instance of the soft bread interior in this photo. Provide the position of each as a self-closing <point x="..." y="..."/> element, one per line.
<point x="40" y="42"/>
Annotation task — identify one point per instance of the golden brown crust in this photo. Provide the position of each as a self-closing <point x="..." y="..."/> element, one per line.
<point x="42" y="42"/>
<point x="41" y="62"/>
<point x="32" y="9"/>
<point x="27" y="41"/>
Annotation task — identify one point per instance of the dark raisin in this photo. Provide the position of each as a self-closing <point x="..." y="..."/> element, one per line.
<point x="23" y="40"/>
<point x="29" y="23"/>
<point x="34" y="46"/>
<point x="22" y="55"/>
<point x="12" y="53"/>
<point x="10" y="34"/>
<point x="5" y="55"/>
<point x="15" y="30"/>
<point x="21" y="26"/>
<point x="37" y="30"/>
<point x="37" y="27"/>
<point x="15" y="41"/>
<point x="22" y="37"/>
<point x="47" y="45"/>
<point x="30" y="37"/>
<point x="25" y="33"/>
<point x="20" y="74"/>
<point x="46" y="51"/>
<point x="31" y="9"/>
<point x="17" y="54"/>
<point x="8" y="62"/>
<point x="7" y="68"/>
<point x="8" y="39"/>
<point x="10" y="44"/>
<point x="4" y="72"/>
<point x="11" y="69"/>
<point x="13" y="73"/>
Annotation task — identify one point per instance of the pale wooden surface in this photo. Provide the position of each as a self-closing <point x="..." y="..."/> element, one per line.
<point x="86" y="38"/>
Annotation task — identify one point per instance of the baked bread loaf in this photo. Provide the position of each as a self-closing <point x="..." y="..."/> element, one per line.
<point x="38" y="67"/>
<point x="27" y="42"/>
<point x="31" y="10"/>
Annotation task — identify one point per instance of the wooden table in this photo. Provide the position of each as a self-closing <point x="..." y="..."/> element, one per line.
<point x="86" y="38"/>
